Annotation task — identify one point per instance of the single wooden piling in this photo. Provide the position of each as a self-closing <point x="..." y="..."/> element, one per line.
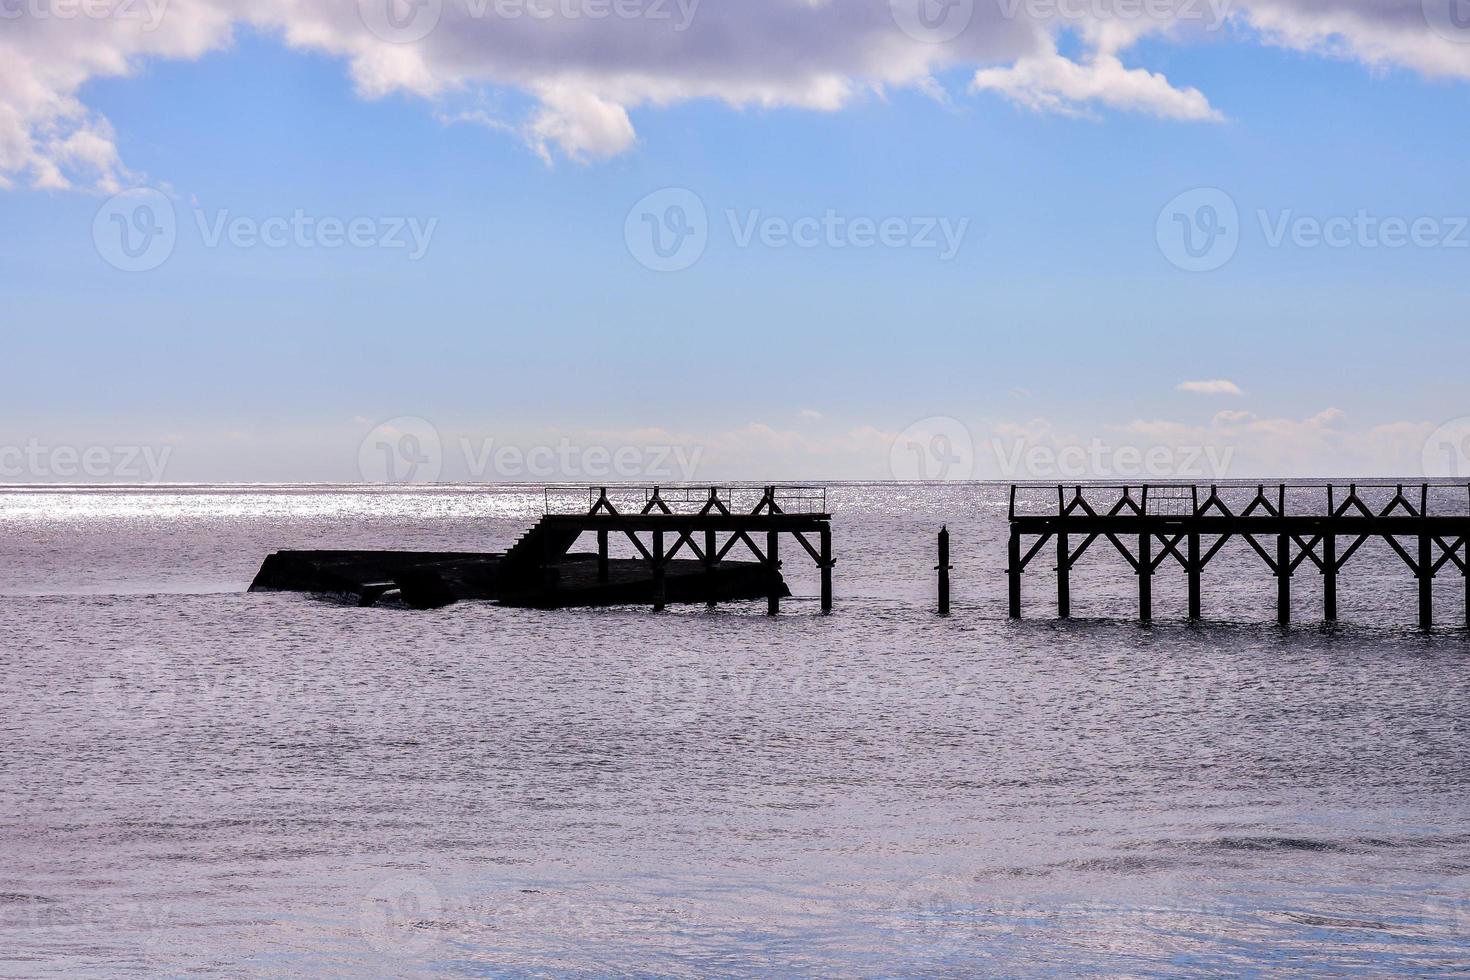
<point x="1145" y="578"/>
<point x="659" y="593"/>
<point x="1426" y="563"/>
<point x="1329" y="577"/>
<point x="1329" y="563"/>
<point x="1283" y="579"/>
<point x="602" y="556"/>
<point x="1193" y="568"/>
<point x="709" y="567"/>
<point x="1194" y="576"/>
<point x="1064" y="577"/>
<point x="773" y="558"/>
<point x="1145" y="566"/>
<point x="1283" y="564"/>
<point x="826" y="552"/>
<point x="1426" y="583"/>
<point x="943" y="569"/>
<point x="1013" y="571"/>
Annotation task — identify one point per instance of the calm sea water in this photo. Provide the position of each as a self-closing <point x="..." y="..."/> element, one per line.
<point x="193" y="779"/>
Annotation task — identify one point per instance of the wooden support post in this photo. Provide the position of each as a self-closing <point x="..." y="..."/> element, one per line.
<point x="1064" y="577"/>
<point x="602" y="556"/>
<point x="1283" y="564"/>
<point x="1426" y="583"/>
<point x="1013" y="570"/>
<point x="1145" y="577"/>
<point x="1426" y="564"/>
<point x="1329" y="577"/>
<point x="1064" y="567"/>
<point x="773" y="560"/>
<point x="658" y="571"/>
<point x="1329" y="563"/>
<point x="1194" y="570"/>
<point x="709" y="568"/>
<point x="826" y="552"/>
<point x="943" y="568"/>
<point x="1283" y="579"/>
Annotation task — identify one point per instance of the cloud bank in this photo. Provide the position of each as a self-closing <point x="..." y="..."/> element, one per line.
<point x="588" y="64"/>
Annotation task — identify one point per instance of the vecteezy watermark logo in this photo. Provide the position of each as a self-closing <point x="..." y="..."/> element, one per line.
<point x="936" y="448"/>
<point x="925" y="913"/>
<point x="668" y="230"/>
<point x="1447" y="450"/>
<point x="401" y="21"/>
<point x="402" y="450"/>
<point x="301" y="230"/>
<point x="674" y="693"/>
<point x="135" y="230"/>
<point x="837" y="231"/>
<point x="136" y="687"/>
<point x="399" y="917"/>
<point x="1199" y="230"/>
<point x="1364" y="230"/>
<point x="149" y="12"/>
<point x="932" y="21"/>
<point x="1211" y="13"/>
<point x="567" y="460"/>
<point x="1097" y="459"/>
<point x="680" y="13"/>
<point x="39" y="461"/>
<point x="1450" y="19"/>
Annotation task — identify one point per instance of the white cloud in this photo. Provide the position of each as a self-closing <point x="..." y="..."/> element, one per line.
<point x="1217" y="387"/>
<point x="1052" y="83"/>
<point x="589" y="76"/>
<point x="581" y="123"/>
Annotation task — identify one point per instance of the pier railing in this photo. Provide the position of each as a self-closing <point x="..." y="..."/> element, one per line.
<point x="1182" y="499"/>
<point x="1284" y="524"/>
<point x="685" y="499"/>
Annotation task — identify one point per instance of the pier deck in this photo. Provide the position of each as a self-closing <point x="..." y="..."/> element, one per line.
<point x="1149" y="524"/>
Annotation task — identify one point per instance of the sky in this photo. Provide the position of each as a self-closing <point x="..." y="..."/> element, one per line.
<point x="666" y="241"/>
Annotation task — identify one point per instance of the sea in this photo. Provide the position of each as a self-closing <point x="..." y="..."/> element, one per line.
<point x="199" y="780"/>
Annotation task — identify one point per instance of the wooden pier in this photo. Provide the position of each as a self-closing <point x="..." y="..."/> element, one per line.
<point x="1191" y="524"/>
<point x="719" y="527"/>
<point x="660" y="522"/>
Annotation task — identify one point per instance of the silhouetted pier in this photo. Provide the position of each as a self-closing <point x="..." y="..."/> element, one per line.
<point x="1191" y="524"/>
<point x="662" y="522"/>
<point x="719" y="528"/>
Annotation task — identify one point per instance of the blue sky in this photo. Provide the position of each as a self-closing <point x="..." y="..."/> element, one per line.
<point x="528" y="319"/>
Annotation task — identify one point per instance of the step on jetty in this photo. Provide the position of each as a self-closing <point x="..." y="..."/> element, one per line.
<point x="716" y="526"/>
<point x="1285" y="526"/>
